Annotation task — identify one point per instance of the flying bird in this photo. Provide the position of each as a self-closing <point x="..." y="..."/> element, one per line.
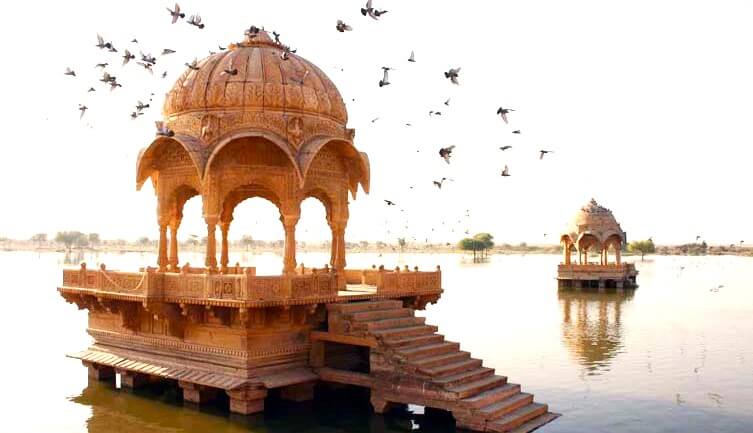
<point x="412" y="57"/>
<point x="544" y="152"/>
<point x="371" y="11"/>
<point x="82" y="109"/>
<point x="147" y="66"/>
<point x="101" y="65"/>
<point x="505" y="147"/>
<point x="140" y="106"/>
<point x="164" y="74"/>
<point x="114" y="85"/>
<point x="435" y="113"/>
<point x="69" y="71"/>
<point x="221" y="48"/>
<point x="136" y="114"/>
<point x="386" y="79"/>
<point x="439" y="183"/>
<point x="447" y="102"/>
<point x="195" y="20"/>
<point x="91" y="89"/>
<point x="193" y="65"/>
<point x="503" y="112"/>
<point x="453" y="74"/>
<point x="390" y="203"/>
<point x="506" y="172"/>
<point x="148" y="58"/>
<point x="167" y="51"/>
<point x="175" y="14"/>
<point x="517" y="131"/>
<point x="276" y="36"/>
<point x="342" y="27"/>
<point x="163" y="130"/>
<point x="134" y="41"/>
<point x="101" y="44"/>
<point x="233" y="71"/>
<point x="446" y="152"/>
<point x="127" y="56"/>
<point x="107" y="78"/>
<point x="374" y="119"/>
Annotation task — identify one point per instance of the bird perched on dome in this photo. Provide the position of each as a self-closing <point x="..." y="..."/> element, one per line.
<point x="163" y="130"/>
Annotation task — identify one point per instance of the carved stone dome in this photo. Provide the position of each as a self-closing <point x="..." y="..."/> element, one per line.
<point x="264" y="81"/>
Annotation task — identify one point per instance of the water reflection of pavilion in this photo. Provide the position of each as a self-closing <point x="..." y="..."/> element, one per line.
<point x="592" y="327"/>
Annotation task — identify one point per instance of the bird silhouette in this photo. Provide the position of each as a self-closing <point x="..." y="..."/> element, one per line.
<point x="389" y="202"/>
<point x="127" y="56"/>
<point x="439" y="183"/>
<point x="167" y="51"/>
<point x="371" y="11"/>
<point x="503" y="112"/>
<point x="517" y="131"/>
<point x="544" y="152"/>
<point x="195" y="20"/>
<point x="69" y="71"/>
<point x="386" y="78"/>
<point x="506" y="172"/>
<point x="505" y="147"/>
<point x="163" y="130"/>
<point x="453" y="75"/>
<point x="446" y="153"/>
<point x="82" y="108"/>
<point x="193" y="65"/>
<point x="176" y="13"/>
<point x="342" y="27"/>
<point x="412" y="57"/>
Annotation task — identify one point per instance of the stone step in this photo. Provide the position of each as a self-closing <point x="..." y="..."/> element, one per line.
<point x="478" y="386"/>
<point x="408" y="331"/>
<point x="516" y="418"/>
<point x="414" y="340"/>
<point x="363" y="316"/>
<point x="400" y="322"/>
<point x="355" y="307"/>
<point x="453" y="366"/>
<point x="456" y="379"/>
<point x="429" y="350"/>
<point x="443" y="359"/>
<point x="536" y="423"/>
<point x="503" y="407"/>
<point x="491" y="396"/>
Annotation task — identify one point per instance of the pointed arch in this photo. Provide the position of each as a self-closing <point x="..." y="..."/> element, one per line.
<point x="357" y="163"/>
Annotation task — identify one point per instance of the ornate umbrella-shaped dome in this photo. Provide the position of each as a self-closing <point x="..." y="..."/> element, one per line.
<point x="596" y="220"/>
<point x="259" y="80"/>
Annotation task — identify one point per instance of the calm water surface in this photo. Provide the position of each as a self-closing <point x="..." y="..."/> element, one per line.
<point x="674" y="356"/>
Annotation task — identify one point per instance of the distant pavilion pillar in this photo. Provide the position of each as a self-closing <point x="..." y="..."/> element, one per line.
<point x="173" y="261"/>
<point x="211" y="254"/>
<point x="566" y="252"/>
<point x="618" y="253"/>
<point x="338" y="250"/>
<point x="289" y="262"/>
<point x="162" y="248"/>
<point x="224" y="254"/>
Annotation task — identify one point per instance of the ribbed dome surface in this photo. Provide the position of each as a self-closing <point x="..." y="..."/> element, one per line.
<point x="264" y="82"/>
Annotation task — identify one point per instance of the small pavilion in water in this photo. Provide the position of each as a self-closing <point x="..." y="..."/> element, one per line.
<point x="594" y="229"/>
<point x="276" y="129"/>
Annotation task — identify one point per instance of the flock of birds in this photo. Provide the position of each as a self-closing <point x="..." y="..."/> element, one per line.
<point x="174" y="15"/>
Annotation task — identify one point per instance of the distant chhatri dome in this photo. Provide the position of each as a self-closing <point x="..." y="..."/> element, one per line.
<point x="594" y="219"/>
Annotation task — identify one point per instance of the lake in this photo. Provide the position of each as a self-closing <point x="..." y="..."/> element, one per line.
<point x="675" y="355"/>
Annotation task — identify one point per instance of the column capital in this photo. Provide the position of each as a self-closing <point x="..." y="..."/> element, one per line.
<point x="290" y="220"/>
<point x="212" y="219"/>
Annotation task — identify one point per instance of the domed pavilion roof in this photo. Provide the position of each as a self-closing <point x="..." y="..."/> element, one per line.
<point x="594" y="219"/>
<point x="256" y="89"/>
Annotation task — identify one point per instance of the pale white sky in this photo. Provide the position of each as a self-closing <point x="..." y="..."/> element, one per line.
<point x="647" y="105"/>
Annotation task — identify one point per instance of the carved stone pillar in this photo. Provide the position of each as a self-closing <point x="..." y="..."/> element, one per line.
<point x="289" y="222"/>
<point x="174" y="245"/>
<point x="224" y="259"/>
<point x="162" y="251"/>
<point x="566" y="253"/>
<point x="211" y="256"/>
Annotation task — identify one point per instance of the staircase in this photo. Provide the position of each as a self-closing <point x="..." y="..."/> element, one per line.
<point x="412" y="363"/>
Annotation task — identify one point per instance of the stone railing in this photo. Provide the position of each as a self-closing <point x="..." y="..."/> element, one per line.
<point x="396" y="280"/>
<point x="597" y="269"/>
<point x="189" y="284"/>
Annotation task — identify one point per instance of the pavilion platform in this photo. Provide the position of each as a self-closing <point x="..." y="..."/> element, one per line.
<point x="616" y="276"/>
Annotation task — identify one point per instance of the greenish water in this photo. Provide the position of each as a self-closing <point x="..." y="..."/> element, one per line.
<point x="675" y="356"/>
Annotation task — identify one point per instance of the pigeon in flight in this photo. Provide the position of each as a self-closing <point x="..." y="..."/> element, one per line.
<point x="195" y="20"/>
<point x="446" y="152"/>
<point x="435" y="113"/>
<point x="127" y="56"/>
<point x="91" y="89"/>
<point x="82" y="108"/>
<point x="148" y="58"/>
<point x="453" y="74"/>
<point x="342" y="27"/>
<point x="439" y="183"/>
<point x="412" y="57"/>
<point x="101" y="44"/>
<point x="386" y="79"/>
<point x="140" y="106"/>
<point x="101" y="65"/>
<point x="517" y="131"/>
<point x="167" y="51"/>
<point x="69" y="71"/>
<point x="506" y="172"/>
<point x="505" y="147"/>
<point x="544" y="152"/>
<point x="371" y="11"/>
<point x="147" y="66"/>
<point x="447" y="102"/>
<point x="163" y="130"/>
<point x="175" y="14"/>
<point x="503" y="112"/>
<point x="136" y="114"/>
<point x="390" y="203"/>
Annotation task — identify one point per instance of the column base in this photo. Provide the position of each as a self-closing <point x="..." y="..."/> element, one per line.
<point x="100" y="372"/>
<point x="247" y="399"/>
<point x="197" y="394"/>
<point x="299" y="392"/>
<point x="132" y="380"/>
